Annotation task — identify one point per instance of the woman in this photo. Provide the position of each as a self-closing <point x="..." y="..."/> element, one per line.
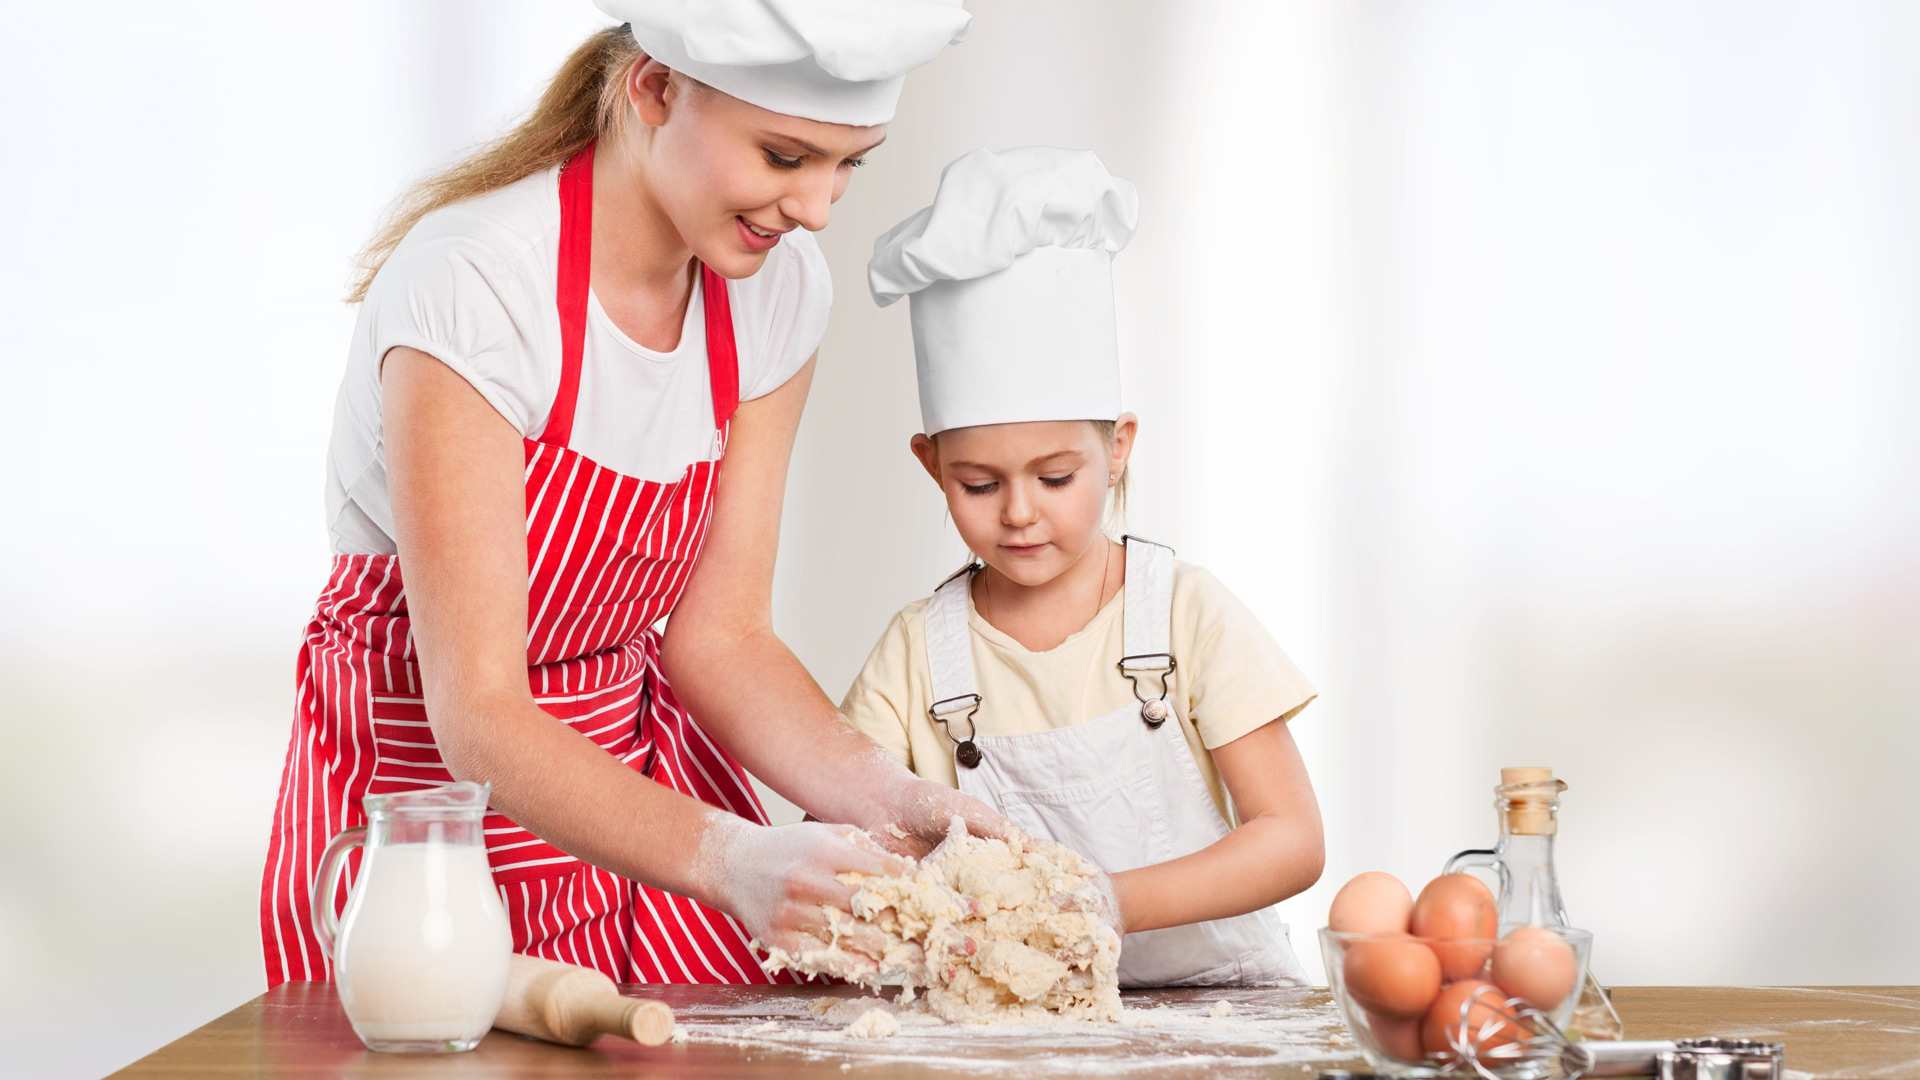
<point x="560" y="341"/>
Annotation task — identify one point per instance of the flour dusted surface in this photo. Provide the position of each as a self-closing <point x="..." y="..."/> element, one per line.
<point x="995" y="931"/>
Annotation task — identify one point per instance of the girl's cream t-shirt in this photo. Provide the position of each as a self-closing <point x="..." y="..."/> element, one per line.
<point x="1232" y="678"/>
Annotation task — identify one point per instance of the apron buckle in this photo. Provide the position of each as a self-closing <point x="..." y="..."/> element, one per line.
<point x="1153" y="710"/>
<point x="964" y="750"/>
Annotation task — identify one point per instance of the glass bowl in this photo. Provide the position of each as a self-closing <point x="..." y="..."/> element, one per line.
<point x="1380" y="980"/>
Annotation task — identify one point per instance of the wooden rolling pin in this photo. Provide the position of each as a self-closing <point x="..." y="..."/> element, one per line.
<point x="573" y="1006"/>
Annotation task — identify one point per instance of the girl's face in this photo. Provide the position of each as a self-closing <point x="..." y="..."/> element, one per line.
<point x="733" y="177"/>
<point x="1028" y="498"/>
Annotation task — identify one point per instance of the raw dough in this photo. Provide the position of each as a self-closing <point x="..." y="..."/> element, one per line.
<point x="995" y="931"/>
<point x="874" y="1024"/>
<point x="1221" y="1009"/>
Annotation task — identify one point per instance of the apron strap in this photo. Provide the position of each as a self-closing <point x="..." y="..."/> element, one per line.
<point x="950" y="647"/>
<point x="576" y="266"/>
<point x="570" y="297"/>
<point x="1147" y="628"/>
<point x="723" y="359"/>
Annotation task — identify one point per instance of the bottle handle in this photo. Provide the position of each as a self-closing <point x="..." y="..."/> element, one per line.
<point x="1482" y="859"/>
<point x="325" y="926"/>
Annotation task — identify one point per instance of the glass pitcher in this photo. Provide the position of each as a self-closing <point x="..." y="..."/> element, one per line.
<point x="420" y="954"/>
<point x="1529" y="803"/>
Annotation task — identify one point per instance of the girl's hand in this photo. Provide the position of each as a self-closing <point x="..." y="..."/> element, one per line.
<point x="1107" y="902"/>
<point x="912" y="815"/>
<point x="779" y="880"/>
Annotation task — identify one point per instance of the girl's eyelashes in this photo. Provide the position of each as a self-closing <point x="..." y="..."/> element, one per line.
<point x="854" y="162"/>
<point x="990" y="486"/>
<point x="779" y="162"/>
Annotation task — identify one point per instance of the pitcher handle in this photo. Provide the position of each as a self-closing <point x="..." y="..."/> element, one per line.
<point x="325" y="926"/>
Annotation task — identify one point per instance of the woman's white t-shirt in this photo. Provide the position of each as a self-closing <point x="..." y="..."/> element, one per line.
<point x="474" y="285"/>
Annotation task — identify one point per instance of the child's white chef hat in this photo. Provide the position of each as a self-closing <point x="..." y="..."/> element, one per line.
<point x="1011" y="274"/>
<point x="841" y="61"/>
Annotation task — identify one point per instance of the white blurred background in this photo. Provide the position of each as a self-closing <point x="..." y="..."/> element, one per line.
<point x="1546" y="375"/>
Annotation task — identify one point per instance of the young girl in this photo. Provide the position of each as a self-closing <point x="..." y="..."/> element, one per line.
<point x="1096" y="692"/>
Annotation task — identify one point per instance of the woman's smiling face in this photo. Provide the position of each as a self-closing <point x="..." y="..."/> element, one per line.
<point x="1028" y="498"/>
<point x="732" y="176"/>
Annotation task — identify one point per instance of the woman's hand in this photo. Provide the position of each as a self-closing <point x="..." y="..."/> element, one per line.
<point x="911" y="816"/>
<point x="779" y="880"/>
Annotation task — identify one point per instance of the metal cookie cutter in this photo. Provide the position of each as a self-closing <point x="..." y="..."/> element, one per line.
<point x="1681" y="1059"/>
<point x="1723" y="1059"/>
<point x="964" y="750"/>
<point x="1152" y="709"/>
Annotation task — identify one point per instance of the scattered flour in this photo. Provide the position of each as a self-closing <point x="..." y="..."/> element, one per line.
<point x="679" y="1035"/>
<point x="996" y="932"/>
<point x="1221" y="1009"/>
<point x="874" y="1024"/>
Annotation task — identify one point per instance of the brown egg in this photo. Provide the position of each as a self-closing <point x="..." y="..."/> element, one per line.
<point x="1395" y="976"/>
<point x="1485" y="1024"/>
<point x="1455" y="906"/>
<point x="1372" y="903"/>
<point x="1399" y="1038"/>
<point x="1534" y="963"/>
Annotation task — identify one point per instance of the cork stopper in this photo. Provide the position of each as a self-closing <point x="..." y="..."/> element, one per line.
<point x="1529" y="797"/>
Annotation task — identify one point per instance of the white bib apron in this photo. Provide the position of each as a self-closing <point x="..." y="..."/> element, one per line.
<point x="1121" y="789"/>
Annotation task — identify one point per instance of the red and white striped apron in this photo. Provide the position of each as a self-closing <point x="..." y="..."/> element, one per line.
<point x="607" y="557"/>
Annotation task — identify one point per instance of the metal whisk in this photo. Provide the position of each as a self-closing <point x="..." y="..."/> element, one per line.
<point x="1520" y="1040"/>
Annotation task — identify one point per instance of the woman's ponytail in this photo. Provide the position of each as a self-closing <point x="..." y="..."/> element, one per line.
<point x="581" y="103"/>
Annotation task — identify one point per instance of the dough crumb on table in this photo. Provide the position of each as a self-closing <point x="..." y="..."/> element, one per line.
<point x="994" y="931"/>
<point x="1221" y="1009"/>
<point x="874" y="1024"/>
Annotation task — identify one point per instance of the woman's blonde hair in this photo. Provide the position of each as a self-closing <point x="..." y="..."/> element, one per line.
<point x="582" y="103"/>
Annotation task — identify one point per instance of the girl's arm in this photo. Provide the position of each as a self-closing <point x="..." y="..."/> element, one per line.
<point x="456" y="471"/>
<point x="749" y="690"/>
<point x="1276" y="852"/>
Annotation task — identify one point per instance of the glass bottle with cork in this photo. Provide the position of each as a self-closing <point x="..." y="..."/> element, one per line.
<point x="1528" y="801"/>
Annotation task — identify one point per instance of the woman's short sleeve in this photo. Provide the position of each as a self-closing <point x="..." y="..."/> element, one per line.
<point x="781" y="313"/>
<point x="1239" y="678"/>
<point x="463" y="304"/>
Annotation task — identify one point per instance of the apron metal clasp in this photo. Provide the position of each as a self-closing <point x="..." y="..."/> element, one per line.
<point x="964" y="750"/>
<point x="1152" y="709"/>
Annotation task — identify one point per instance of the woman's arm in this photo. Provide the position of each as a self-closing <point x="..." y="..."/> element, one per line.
<point x="456" y="474"/>
<point x="749" y="690"/>
<point x="1277" y="851"/>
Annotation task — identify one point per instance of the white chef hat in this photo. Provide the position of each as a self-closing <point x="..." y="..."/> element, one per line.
<point x="1011" y="274"/>
<point x="841" y="61"/>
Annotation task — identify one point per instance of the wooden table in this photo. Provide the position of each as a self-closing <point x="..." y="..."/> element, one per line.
<point x="298" y="1030"/>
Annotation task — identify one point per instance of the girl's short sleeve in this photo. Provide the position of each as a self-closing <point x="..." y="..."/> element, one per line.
<point x="781" y="313"/>
<point x="878" y="701"/>
<point x="1238" y="677"/>
<point x="475" y="312"/>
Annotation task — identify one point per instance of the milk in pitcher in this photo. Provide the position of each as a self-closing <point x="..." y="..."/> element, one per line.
<point x="424" y="945"/>
<point x="421" y="952"/>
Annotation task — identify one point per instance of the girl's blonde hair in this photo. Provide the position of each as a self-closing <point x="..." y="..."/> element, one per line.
<point x="581" y="103"/>
<point x="1116" y="522"/>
